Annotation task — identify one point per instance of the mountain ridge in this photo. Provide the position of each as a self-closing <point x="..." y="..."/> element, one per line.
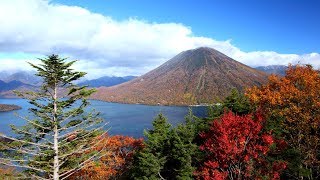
<point x="106" y="81"/>
<point x="273" y="69"/>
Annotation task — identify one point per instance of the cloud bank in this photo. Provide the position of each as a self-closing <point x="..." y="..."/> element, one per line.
<point x="105" y="46"/>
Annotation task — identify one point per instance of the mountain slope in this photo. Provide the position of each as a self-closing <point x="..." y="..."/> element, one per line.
<point x="106" y="81"/>
<point x="202" y="75"/>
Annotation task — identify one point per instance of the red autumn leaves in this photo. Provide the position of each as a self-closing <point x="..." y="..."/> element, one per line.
<point x="236" y="148"/>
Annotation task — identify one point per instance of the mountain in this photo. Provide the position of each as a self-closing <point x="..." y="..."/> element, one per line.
<point x="106" y="81"/>
<point x="25" y="77"/>
<point x="6" y="89"/>
<point x="4" y="74"/>
<point x="10" y="85"/>
<point x="273" y="69"/>
<point x="201" y="75"/>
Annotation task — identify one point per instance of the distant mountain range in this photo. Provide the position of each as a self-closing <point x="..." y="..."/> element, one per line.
<point x="6" y="88"/>
<point x="274" y="69"/>
<point x="25" y="77"/>
<point x="26" y="80"/>
<point x="107" y="81"/>
<point x="202" y="75"/>
<point x="11" y="85"/>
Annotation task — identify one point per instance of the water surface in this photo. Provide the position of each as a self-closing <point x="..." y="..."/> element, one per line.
<point x="124" y="119"/>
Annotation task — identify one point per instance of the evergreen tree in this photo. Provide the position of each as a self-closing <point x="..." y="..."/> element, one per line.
<point x="148" y="163"/>
<point x="169" y="152"/>
<point x="58" y="129"/>
<point x="183" y="149"/>
<point x="237" y="103"/>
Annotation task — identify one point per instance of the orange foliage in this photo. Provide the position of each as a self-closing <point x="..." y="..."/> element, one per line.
<point x="117" y="154"/>
<point x="7" y="173"/>
<point x="295" y="98"/>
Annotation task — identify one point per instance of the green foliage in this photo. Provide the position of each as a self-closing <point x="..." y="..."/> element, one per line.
<point x="149" y="163"/>
<point x="237" y="103"/>
<point x="168" y="152"/>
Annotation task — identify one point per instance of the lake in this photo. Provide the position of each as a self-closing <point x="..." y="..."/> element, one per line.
<point x="124" y="119"/>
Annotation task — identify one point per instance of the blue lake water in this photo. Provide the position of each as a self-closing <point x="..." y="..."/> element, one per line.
<point x="124" y="119"/>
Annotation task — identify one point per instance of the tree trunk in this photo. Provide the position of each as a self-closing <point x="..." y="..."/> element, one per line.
<point x="55" y="138"/>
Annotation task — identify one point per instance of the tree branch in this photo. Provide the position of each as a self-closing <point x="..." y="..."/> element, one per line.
<point x="27" y="142"/>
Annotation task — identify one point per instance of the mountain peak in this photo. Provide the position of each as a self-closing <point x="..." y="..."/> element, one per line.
<point x="201" y="75"/>
<point x="203" y="48"/>
<point x="206" y="50"/>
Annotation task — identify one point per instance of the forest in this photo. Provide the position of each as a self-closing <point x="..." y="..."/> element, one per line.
<point x="267" y="132"/>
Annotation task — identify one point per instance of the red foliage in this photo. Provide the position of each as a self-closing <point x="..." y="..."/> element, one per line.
<point x="117" y="157"/>
<point x="236" y="148"/>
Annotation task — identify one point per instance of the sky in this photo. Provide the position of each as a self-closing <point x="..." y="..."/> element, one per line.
<point x="131" y="37"/>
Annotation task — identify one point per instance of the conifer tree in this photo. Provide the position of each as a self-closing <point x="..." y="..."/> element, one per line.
<point x="237" y="102"/>
<point x="150" y="161"/>
<point x="58" y="130"/>
<point x="183" y="150"/>
<point x="168" y="152"/>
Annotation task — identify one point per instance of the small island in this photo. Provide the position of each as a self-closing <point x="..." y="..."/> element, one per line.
<point x="8" y="107"/>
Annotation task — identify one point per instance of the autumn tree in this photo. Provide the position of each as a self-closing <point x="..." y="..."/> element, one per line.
<point x="293" y="106"/>
<point x="8" y="173"/>
<point x="236" y="148"/>
<point x="58" y="128"/>
<point x="116" y="160"/>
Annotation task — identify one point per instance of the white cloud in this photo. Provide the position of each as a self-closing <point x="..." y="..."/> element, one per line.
<point x="106" y="46"/>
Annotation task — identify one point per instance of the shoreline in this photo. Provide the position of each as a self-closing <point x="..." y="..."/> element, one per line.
<point x="152" y="104"/>
<point x="146" y="104"/>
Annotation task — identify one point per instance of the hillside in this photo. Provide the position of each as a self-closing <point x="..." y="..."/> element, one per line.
<point x="197" y="76"/>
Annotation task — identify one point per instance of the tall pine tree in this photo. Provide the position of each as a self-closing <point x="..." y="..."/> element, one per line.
<point x="58" y="130"/>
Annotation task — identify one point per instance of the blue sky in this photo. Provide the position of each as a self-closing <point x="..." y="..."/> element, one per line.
<point x="132" y="37"/>
<point x="285" y="26"/>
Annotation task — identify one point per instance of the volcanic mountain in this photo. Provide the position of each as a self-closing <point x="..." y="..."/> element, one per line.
<point x="202" y="75"/>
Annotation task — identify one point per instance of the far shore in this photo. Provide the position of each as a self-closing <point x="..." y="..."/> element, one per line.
<point x="8" y="107"/>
